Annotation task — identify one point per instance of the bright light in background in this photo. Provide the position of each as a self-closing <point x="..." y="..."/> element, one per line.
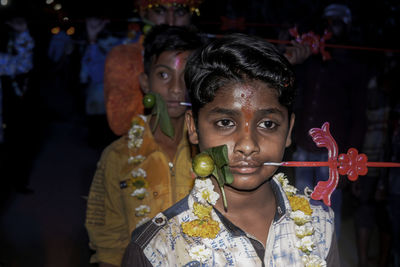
<point x="65" y="19"/>
<point x="4" y="2"/>
<point x="55" y="30"/>
<point x="49" y="2"/>
<point x="71" y="30"/>
<point x="57" y="6"/>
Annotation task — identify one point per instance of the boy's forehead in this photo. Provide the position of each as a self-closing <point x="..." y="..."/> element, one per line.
<point x="175" y="59"/>
<point x="255" y="95"/>
<point x="248" y="89"/>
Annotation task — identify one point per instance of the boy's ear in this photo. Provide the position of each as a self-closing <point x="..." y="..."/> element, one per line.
<point x="289" y="136"/>
<point x="144" y="82"/>
<point x="191" y="126"/>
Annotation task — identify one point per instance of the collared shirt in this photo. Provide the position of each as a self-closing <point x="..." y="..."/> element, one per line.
<point x="111" y="210"/>
<point x="162" y="242"/>
<point x="20" y="62"/>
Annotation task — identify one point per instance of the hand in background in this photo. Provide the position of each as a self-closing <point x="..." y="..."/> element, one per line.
<point x="297" y="53"/>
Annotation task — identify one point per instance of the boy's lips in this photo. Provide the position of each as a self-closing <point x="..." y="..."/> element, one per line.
<point x="174" y="103"/>
<point x="245" y="168"/>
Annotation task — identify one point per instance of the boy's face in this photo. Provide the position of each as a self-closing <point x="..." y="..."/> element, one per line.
<point x="168" y="14"/>
<point x="249" y="119"/>
<point x="166" y="77"/>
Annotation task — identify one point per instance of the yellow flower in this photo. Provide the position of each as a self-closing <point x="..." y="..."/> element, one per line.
<point x="207" y="228"/>
<point x="300" y="203"/>
<point x="138" y="121"/>
<point x="138" y="182"/>
<point x="201" y="211"/>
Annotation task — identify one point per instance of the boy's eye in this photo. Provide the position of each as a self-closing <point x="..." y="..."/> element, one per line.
<point x="159" y="10"/>
<point x="163" y="75"/>
<point x="180" y="12"/>
<point x="225" y="123"/>
<point x="268" y="125"/>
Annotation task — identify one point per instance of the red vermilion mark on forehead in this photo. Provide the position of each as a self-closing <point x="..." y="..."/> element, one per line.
<point x="246" y="106"/>
<point x="179" y="61"/>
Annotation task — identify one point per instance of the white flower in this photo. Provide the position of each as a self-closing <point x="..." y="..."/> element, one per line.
<point x="136" y="160"/>
<point x="139" y="173"/>
<point x="304" y="230"/>
<point x="289" y="189"/>
<point x="299" y="217"/>
<point x="142" y="210"/>
<point x="136" y="131"/>
<point x="305" y="244"/>
<point x="144" y="118"/>
<point x="204" y="191"/>
<point x="281" y="177"/>
<point x="142" y="221"/>
<point x="135" y="136"/>
<point x="200" y="253"/>
<point x="140" y="193"/>
<point x="313" y="261"/>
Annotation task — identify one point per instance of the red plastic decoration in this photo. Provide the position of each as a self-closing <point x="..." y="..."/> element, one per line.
<point x="351" y="164"/>
<point x="316" y="43"/>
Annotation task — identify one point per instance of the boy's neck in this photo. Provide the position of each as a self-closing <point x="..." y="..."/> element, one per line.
<point x="169" y="145"/>
<point x="252" y="211"/>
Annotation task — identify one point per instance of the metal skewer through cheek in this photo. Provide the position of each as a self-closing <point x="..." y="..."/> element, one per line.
<point x="185" y="104"/>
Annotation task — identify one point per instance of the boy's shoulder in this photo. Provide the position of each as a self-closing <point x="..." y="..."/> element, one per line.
<point x="142" y="235"/>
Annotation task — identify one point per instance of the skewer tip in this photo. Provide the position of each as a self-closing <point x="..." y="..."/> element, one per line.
<point x="185" y="104"/>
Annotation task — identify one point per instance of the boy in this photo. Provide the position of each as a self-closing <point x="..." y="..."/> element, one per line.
<point x="242" y="91"/>
<point x="124" y="62"/>
<point x="145" y="171"/>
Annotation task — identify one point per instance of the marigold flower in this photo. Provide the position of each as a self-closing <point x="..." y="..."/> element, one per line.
<point x="207" y="228"/>
<point x="201" y="211"/>
<point x="300" y="203"/>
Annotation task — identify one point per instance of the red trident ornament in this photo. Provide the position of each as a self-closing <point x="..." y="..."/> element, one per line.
<point x="351" y="164"/>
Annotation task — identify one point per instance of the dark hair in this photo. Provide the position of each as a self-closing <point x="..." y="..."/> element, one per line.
<point x="237" y="58"/>
<point x="163" y="38"/>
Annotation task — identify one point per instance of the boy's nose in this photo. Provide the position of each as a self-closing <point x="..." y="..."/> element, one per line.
<point x="246" y="143"/>
<point x="177" y="87"/>
<point x="170" y="19"/>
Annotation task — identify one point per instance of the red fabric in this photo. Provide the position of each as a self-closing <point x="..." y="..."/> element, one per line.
<point x="122" y="92"/>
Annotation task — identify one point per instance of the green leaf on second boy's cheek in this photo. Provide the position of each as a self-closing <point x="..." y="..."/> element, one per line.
<point x="162" y="117"/>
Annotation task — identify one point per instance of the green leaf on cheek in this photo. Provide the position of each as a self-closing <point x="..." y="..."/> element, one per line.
<point x="221" y="171"/>
<point x="161" y="112"/>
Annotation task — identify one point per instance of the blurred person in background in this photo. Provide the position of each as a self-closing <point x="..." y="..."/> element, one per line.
<point x="330" y="91"/>
<point x="16" y="62"/>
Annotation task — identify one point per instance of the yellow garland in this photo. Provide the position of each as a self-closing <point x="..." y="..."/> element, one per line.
<point x="300" y="203"/>
<point x="204" y="227"/>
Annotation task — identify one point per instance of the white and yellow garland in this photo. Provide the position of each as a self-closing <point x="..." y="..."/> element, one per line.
<point x="138" y="180"/>
<point x="206" y="227"/>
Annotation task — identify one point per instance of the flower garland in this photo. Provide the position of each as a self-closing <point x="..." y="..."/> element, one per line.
<point x="138" y="181"/>
<point x="206" y="227"/>
<point x="301" y="215"/>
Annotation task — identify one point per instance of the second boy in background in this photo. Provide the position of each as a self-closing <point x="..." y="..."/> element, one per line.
<point x="145" y="171"/>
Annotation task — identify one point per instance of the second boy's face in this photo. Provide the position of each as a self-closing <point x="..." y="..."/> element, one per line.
<point x="173" y="15"/>
<point x="166" y="78"/>
<point x="249" y="119"/>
